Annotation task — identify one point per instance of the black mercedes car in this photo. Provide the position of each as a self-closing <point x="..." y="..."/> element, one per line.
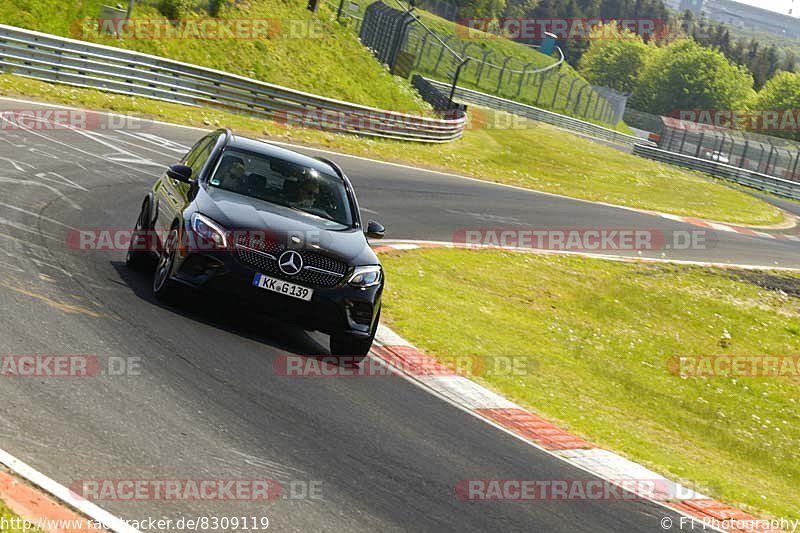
<point x="278" y="231"/>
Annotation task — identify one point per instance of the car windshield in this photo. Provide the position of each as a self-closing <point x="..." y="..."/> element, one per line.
<point x="284" y="183"/>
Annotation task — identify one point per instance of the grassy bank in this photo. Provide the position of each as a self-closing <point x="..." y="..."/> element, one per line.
<point x="600" y="334"/>
<point x="11" y="519"/>
<point x="498" y="147"/>
<point x="301" y="50"/>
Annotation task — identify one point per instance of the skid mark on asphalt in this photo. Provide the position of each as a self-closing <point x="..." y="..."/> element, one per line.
<point x="37" y="215"/>
<point x="278" y="471"/>
<point x="28" y="229"/>
<point x="65" y="307"/>
<point x="72" y="203"/>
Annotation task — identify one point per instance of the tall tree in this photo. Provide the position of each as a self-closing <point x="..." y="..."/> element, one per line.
<point x="685" y="75"/>
<point x="614" y="58"/>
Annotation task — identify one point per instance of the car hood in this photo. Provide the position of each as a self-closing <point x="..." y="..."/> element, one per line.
<point x="243" y="213"/>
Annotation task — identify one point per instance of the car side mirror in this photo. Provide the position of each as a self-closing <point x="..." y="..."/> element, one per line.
<point x="375" y="230"/>
<point x="180" y="172"/>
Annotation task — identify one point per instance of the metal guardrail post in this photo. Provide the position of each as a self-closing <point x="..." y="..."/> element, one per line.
<point x="502" y="71"/>
<point x="555" y="91"/>
<point x="544" y="76"/>
<point x="578" y="99"/>
<point x="441" y="53"/>
<point x="522" y="78"/>
<point x="478" y="75"/>
<point x="700" y="144"/>
<point x="455" y="79"/>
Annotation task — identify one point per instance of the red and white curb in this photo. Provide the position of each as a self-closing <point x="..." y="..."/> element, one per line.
<point x="726" y="227"/>
<point x="493" y="408"/>
<point x="401" y="244"/>
<point x="48" y="505"/>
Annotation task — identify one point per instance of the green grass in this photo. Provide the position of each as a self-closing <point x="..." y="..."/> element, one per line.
<point x="529" y="154"/>
<point x="329" y="62"/>
<point x="599" y="334"/>
<point x="7" y="515"/>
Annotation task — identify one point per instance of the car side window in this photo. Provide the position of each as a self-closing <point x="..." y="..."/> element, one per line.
<point x="191" y="155"/>
<point x="201" y="156"/>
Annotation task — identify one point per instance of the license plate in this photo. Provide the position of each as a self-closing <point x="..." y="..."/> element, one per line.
<point x="283" y="287"/>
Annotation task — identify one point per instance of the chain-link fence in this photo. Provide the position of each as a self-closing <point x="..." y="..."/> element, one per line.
<point x="525" y="76"/>
<point x="751" y="151"/>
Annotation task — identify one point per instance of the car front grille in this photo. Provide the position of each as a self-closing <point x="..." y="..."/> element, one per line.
<point x="318" y="270"/>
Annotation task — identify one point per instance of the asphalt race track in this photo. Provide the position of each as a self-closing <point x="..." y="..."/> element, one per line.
<point x="207" y="403"/>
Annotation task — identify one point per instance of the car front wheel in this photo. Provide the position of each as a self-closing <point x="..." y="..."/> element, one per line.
<point x="163" y="285"/>
<point x="138" y="256"/>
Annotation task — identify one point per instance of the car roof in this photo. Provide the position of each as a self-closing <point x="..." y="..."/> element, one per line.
<point x="270" y="150"/>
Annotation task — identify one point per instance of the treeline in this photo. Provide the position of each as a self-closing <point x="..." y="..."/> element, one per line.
<point x="762" y="61"/>
<point x="685" y="76"/>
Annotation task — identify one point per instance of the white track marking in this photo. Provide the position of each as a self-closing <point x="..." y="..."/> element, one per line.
<point x="611" y="466"/>
<point x="466" y="392"/>
<point x="90" y="154"/>
<point x="18" y="165"/>
<point x="388" y="337"/>
<point x="161" y="142"/>
<point x="405" y="244"/>
<point x="60" y="180"/>
<point x="64" y="494"/>
<point x="34" y="150"/>
<point x="119" y="154"/>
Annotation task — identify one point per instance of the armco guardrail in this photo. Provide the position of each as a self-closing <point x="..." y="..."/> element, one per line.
<point x="562" y="121"/>
<point x="79" y="63"/>
<point x="756" y="180"/>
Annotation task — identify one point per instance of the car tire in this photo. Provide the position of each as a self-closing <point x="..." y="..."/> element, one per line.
<point x="138" y="259"/>
<point x="352" y="349"/>
<point x="164" y="286"/>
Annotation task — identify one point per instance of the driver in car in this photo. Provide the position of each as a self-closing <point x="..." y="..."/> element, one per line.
<point x="231" y="174"/>
<point x="308" y="193"/>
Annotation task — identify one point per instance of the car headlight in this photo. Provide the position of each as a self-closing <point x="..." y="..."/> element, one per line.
<point x="209" y="230"/>
<point x="366" y="276"/>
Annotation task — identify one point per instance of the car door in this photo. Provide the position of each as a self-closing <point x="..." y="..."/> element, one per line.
<point x="173" y="195"/>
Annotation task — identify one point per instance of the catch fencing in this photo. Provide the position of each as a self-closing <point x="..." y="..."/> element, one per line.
<point x="534" y="113"/>
<point x="411" y="45"/>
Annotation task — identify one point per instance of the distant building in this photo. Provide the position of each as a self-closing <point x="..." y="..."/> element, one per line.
<point x="743" y="15"/>
<point x="695" y="6"/>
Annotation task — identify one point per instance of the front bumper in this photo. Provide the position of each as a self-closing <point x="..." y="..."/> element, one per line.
<point x="338" y="309"/>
